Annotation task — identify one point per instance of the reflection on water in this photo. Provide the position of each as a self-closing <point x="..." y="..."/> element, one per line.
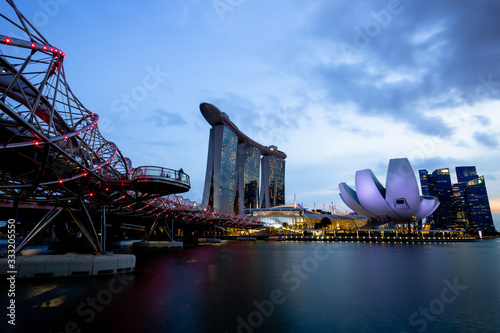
<point x="278" y="287"/>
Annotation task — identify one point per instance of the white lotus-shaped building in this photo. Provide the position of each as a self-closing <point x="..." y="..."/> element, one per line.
<point x="399" y="201"/>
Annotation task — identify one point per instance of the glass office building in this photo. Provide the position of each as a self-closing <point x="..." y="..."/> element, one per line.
<point x="475" y="199"/>
<point x="273" y="182"/>
<point x="220" y="187"/>
<point x="438" y="184"/>
<point x="248" y="176"/>
<point x="464" y="205"/>
<point x="424" y="183"/>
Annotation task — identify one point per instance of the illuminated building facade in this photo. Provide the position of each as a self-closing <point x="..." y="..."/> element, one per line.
<point x="220" y="187"/>
<point x="438" y="184"/>
<point x="464" y="205"/>
<point x="249" y="176"/>
<point x="475" y="199"/>
<point x="399" y="201"/>
<point x="273" y="181"/>
<point x="241" y="173"/>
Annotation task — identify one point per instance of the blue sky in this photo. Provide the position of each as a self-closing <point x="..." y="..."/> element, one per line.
<point x="338" y="85"/>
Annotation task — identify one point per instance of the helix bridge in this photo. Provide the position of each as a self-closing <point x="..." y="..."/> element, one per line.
<point x="52" y="152"/>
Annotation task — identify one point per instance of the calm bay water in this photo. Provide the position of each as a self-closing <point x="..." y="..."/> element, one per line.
<point x="278" y="287"/>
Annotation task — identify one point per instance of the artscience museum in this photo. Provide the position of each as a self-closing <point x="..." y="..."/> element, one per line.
<point x="399" y="201"/>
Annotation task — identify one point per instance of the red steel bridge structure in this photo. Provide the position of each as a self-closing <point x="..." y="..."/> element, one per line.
<point x="52" y="152"/>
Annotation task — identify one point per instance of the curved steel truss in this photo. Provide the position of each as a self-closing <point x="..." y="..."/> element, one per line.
<point x="51" y="149"/>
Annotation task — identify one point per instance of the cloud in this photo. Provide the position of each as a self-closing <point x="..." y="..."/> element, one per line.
<point x="429" y="55"/>
<point x="487" y="139"/>
<point x="163" y="118"/>
<point x="433" y="163"/>
<point x="265" y="123"/>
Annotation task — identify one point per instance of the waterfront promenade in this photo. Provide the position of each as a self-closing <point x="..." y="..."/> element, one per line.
<point x="387" y="236"/>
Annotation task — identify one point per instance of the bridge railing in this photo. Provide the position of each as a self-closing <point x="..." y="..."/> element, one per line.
<point x="143" y="172"/>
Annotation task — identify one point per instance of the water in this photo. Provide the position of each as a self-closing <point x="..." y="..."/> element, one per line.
<point x="278" y="287"/>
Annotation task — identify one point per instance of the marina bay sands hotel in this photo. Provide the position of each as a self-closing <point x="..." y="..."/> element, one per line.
<point x="238" y="167"/>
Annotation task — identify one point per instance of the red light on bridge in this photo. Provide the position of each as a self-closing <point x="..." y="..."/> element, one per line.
<point x="7" y="40"/>
<point x="60" y="181"/>
<point x="32" y="45"/>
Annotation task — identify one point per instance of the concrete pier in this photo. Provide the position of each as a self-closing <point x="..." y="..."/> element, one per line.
<point x="62" y="265"/>
<point x="246" y="238"/>
<point x="157" y="245"/>
<point x="204" y="240"/>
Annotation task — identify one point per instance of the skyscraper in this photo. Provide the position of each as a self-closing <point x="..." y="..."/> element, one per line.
<point x="463" y="205"/>
<point x="221" y="176"/>
<point x="438" y="184"/>
<point x="475" y="199"/>
<point x="424" y="183"/>
<point x="273" y="181"/>
<point x="248" y="176"/>
<point x="232" y="180"/>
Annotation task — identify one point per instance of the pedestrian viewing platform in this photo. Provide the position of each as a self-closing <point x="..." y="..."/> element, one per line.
<point x="154" y="179"/>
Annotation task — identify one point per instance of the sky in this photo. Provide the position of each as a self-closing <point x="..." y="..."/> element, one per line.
<point x="339" y="86"/>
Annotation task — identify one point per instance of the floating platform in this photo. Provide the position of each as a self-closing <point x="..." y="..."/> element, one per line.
<point x="208" y="240"/>
<point x="63" y="265"/>
<point x="157" y="245"/>
<point x="246" y="238"/>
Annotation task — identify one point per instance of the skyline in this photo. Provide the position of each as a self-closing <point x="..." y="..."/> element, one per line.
<point x="337" y="87"/>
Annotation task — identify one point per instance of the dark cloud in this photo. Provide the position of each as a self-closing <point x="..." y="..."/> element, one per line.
<point x="489" y="140"/>
<point x="441" y="54"/>
<point x="164" y="118"/>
